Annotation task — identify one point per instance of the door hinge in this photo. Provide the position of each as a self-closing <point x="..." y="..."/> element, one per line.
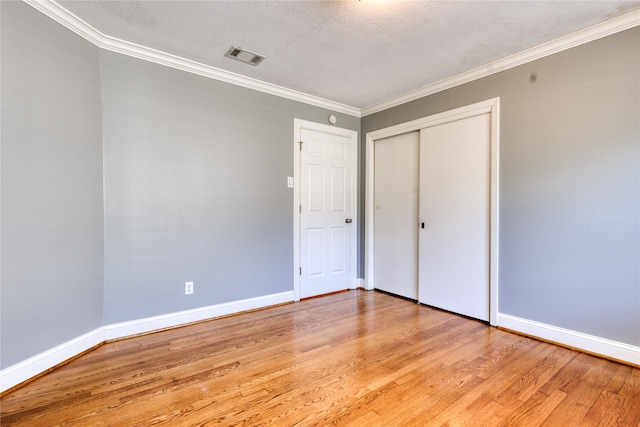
<point x="300" y="208"/>
<point x="300" y="142"/>
<point x="301" y="271"/>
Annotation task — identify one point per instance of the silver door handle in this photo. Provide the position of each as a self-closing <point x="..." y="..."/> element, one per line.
<point x="348" y="221"/>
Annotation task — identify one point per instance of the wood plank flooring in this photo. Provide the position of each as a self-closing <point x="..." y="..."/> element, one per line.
<point x="355" y="358"/>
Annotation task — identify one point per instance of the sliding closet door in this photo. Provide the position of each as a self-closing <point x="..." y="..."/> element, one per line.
<point x="454" y="254"/>
<point x="396" y="214"/>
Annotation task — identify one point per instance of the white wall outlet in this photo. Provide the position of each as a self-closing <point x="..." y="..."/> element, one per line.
<point x="188" y="288"/>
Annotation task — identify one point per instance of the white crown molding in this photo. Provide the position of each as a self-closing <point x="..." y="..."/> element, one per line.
<point x="67" y="19"/>
<point x="59" y="14"/>
<point x="598" y="31"/>
<point x="80" y="27"/>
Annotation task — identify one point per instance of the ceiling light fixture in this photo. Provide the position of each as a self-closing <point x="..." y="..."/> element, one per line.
<point x="243" y="55"/>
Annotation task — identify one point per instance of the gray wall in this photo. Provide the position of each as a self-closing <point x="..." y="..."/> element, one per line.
<point x="570" y="184"/>
<point x="52" y="208"/>
<point x="194" y="190"/>
<point x="196" y="186"/>
<point x="196" y="173"/>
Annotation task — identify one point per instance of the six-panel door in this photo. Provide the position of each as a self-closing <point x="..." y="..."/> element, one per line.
<point x="325" y="213"/>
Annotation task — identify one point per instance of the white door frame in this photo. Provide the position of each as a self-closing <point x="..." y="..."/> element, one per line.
<point x="491" y="106"/>
<point x="298" y="126"/>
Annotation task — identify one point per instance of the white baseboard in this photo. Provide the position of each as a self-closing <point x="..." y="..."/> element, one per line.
<point x="367" y="285"/>
<point x="22" y="371"/>
<point x="359" y="284"/>
<point x="140" y="326"/>
<point x="592" y="344"/>
<point x="29" y="368"/>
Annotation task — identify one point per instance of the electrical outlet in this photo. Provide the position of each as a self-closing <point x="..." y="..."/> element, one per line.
<point x="188" y="288"/>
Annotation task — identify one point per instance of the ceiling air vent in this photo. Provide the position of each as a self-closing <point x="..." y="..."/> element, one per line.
<point x="245" y="56"/>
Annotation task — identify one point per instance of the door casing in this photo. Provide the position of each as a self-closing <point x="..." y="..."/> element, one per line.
<point x="299" y="125"/>
<point x="491" y="106"/>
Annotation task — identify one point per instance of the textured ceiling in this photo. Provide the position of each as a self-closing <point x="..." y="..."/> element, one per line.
<point x="358" y="53"/>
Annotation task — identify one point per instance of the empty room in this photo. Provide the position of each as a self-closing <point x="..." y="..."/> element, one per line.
<point x="291" y="213"/>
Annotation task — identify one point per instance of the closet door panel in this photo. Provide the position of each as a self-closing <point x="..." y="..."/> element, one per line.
<point x="396" y="214"/>
<point x="454" y="245"/>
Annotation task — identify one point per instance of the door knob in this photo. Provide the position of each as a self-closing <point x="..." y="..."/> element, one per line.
<point x="348" y="221"/>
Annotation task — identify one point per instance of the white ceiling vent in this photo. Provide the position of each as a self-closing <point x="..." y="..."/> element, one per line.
<point x="243" y="55"/>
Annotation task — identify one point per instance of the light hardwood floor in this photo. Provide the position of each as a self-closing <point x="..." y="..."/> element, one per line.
<point x="355" y="358"/>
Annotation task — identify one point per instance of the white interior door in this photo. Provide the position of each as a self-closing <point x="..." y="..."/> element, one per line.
<point x="325" y="212"/>
<point x="455" y="206"/>
<point x="396" y="214"/>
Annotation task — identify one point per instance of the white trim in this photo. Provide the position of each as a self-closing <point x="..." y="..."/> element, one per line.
<point x="35" y="365"/>
<point x="491" y="106"/>
<point x="590" y="343"/>
<point x="83" y="29"/>
<point x="298" y="126"/>
<point x="595" y="32"/>
<point x="22" y="371"/>
<point x="359" y="284"/>
<point x="435" y="119"/>
<point x="140" y="326"/>
<point x="68" y="20"/>
<point x="296" y="209"/>
<point x="369" y="208"/>
<point x="494" y="227"/>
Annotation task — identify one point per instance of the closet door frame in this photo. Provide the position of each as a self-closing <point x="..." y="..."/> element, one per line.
<point x="491" y="106"/>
